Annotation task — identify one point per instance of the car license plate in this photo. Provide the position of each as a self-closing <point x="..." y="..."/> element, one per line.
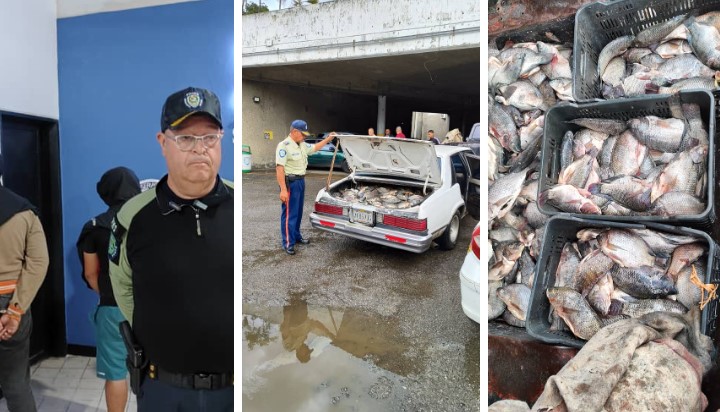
<point x="361" y="216"/>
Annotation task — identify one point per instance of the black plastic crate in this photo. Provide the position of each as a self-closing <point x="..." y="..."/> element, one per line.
<point x="563" y="29"/>
<point x="556" y="125"/>
<point x="562" y="229"/>
<point x="597" y="24"/>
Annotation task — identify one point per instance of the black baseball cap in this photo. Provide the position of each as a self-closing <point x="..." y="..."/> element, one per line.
<point x="187" y="102"/>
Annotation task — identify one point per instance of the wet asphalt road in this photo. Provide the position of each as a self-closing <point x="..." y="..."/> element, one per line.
<point x="349" y="325"/>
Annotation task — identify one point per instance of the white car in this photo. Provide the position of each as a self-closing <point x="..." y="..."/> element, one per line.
<point x="444" y="177"/>
<point x="470" y="278"/>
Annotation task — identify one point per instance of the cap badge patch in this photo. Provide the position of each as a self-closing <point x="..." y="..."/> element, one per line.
<point x="193" y="100"/>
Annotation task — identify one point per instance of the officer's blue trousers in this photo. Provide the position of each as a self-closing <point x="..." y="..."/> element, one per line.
<point x="160" y="397"/>
<point x="291" y="214"/>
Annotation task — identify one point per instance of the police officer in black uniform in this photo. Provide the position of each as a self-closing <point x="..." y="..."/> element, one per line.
<point x="171" y="264"/>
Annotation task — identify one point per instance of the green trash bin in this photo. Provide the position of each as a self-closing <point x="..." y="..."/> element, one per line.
<point x="246" y="159"/>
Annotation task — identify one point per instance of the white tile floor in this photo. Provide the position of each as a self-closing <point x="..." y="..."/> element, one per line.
<point x="68" y="384"/>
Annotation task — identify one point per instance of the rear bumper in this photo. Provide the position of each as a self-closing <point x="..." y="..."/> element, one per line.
<point x="381" y="236"/>
<point x="470" y="287"/>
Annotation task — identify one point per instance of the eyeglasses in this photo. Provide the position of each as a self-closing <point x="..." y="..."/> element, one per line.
<point x="186" y="142"/>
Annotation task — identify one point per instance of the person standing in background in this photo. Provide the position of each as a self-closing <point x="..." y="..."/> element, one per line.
<point x="432" y="138"/>
<point x="116" y="186"/>
<point x="387" y="133"/>
<point x="399" y="133"/>
<point x="23" y="265"/>
<point x="371" y="132"/>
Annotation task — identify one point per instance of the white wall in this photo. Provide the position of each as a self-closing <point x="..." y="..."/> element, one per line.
<point x="70" y="8"/>
<point x="28" y="56"/>
<point x="351" y="29"/>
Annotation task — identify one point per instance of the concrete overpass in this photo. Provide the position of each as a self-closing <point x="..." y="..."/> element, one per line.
<point x="352" y="64"/>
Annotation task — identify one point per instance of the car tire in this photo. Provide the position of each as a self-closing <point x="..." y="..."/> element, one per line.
<point x="449" y="238"/>
<point x="345" y="166"/>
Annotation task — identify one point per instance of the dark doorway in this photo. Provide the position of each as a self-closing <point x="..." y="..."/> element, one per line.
<point x="32" y="169"/>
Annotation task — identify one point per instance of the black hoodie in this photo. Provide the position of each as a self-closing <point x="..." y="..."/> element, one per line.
<point x="10" y="203"/>
<point x="115" y="187"/>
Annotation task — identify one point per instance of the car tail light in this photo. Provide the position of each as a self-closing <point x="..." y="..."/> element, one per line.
<point x="328" y="209"/>
<point x="418" y="225"/>
<point x="395" y="239"/>
<point x="475" y="242"/>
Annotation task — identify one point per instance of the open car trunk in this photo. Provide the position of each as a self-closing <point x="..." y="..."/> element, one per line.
<point x="379" y="195"/>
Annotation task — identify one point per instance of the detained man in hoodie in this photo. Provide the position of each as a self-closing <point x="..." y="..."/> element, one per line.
<point x="115" y="187"/>
<point x="23" y="266"/>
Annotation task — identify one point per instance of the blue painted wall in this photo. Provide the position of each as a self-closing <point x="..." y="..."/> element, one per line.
<point x="115" y="71"/>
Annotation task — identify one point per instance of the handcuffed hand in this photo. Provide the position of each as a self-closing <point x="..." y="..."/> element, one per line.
<point x="8" y="326"/>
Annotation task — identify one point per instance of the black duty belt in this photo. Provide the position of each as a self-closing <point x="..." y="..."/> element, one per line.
<point x="209" y="381"/>
<point x="292" y="178"/>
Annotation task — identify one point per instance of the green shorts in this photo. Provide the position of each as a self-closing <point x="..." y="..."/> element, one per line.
<point x="111" y="352"/>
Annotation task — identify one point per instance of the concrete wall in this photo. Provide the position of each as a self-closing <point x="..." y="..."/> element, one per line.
<point x="352" y="29"/>
<point x="28" y="46"/>
<point x="116" y="69"/>
<point x="281" y="104"/>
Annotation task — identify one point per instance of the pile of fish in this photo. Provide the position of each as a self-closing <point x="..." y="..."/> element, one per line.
<point x="645" y="166"/>
<point x="612" y="274"/>
<point x="678" y="54"/>
<point x="525" y="80"/>
<point x="388" y="197"/>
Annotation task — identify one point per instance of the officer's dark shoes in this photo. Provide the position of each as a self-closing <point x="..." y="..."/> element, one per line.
<point x="290" y="250"/>
<point x="304" y="241"/>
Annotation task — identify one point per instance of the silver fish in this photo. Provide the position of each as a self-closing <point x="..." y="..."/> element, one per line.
<point x="559" y="66"/>
<point x="635" y="54"/>
<point x="603" y="126"/>
<point x="496" y="306"/>
<point x="628" y="154"/>
<point x="682" y="174"/>
<point x="575" y="311"/>
<point x="590" y="269"/>
<point x="563" y="88"/>
<point x="502" y="127"/>
<point x="663" y="243"/>
<point x="684" y="256"/>
<point x="569" y="199"/>
<point x="566" y="271"/>
<point x="677" y="204"/>
<point x="531" y="59"/>
<point x="517" y="298"/>
<point x="681" y="67"/>
<point x="613" y="49"/>
<point x="658" y="133"/>
<point x="502" y="194"/>
<point x="687" y="84"/>
<point x="615" y="72"/>
<point x="704" y="40"/>
<point x="629" y="191"/>
<point x="511" y="320"/>
<point x="645" y="306"/>
<point x="625" y="248"/>
<point x="643" y="282"/>
<point x="689" y="293"/>
<point x="566" y="150"/>
<point x="657" y="32"/>
<point x="504" y="72"/>
<point x="523" y="95"/>
<point x="534" y="217"/>
<point x="673" y="48"/>
<point x="599" y="296"/>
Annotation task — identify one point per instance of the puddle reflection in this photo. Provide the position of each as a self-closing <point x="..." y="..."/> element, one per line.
<point x="307" y="358"/>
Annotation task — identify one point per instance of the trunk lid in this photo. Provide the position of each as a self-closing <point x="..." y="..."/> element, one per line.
<point x="388" y="156"/>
